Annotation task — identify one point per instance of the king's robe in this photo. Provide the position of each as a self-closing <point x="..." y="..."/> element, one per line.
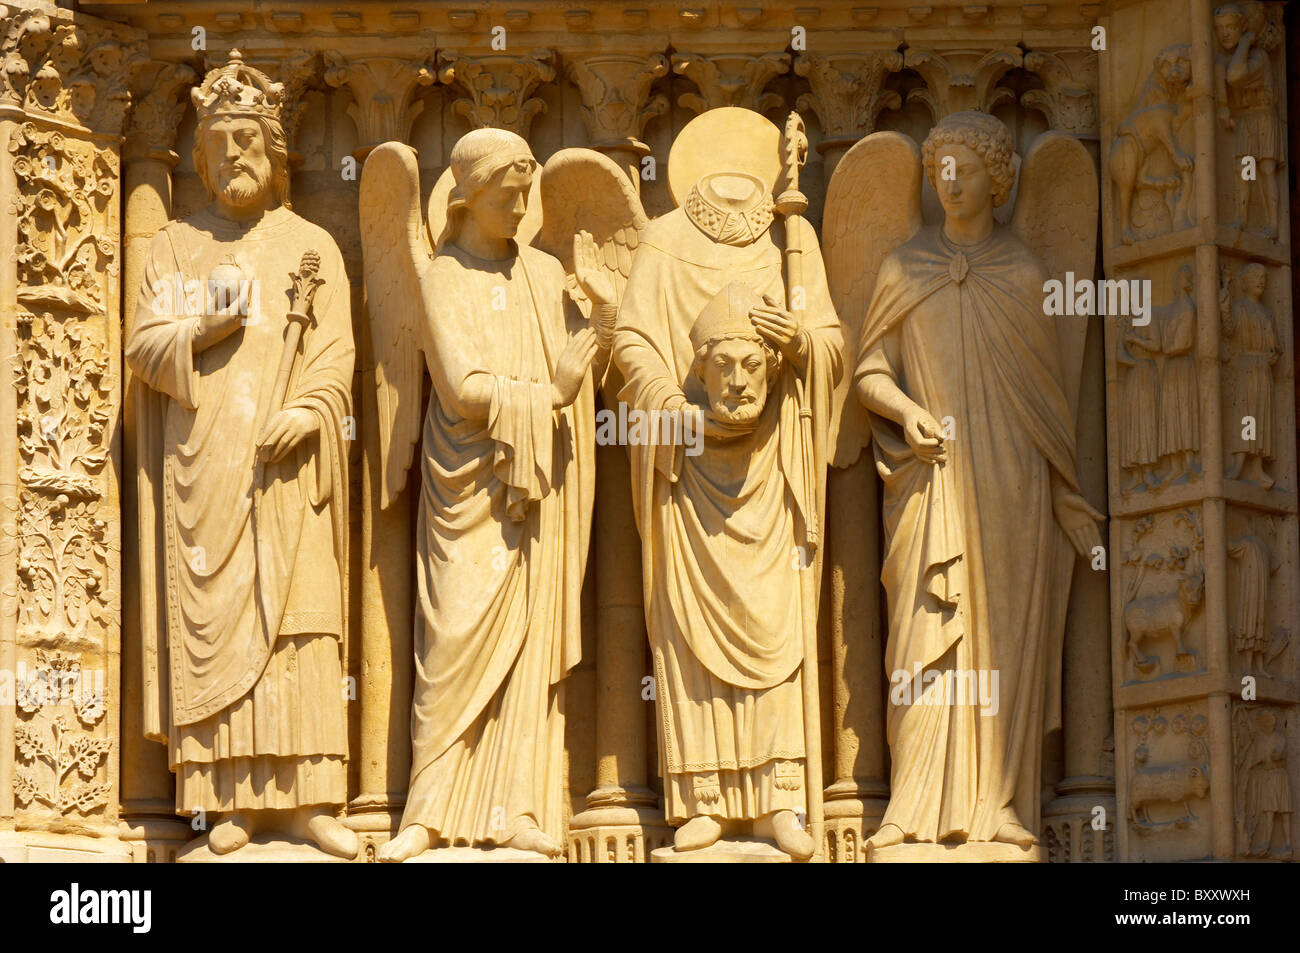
<point x="243" y="562"/>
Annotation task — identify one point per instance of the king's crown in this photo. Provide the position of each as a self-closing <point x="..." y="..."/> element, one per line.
<point x="237" y="89"/>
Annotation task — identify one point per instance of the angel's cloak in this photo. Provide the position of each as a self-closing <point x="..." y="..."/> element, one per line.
<point x="972" y="548"/>
<point x="730" y="537"/>
<point x="504" y="524"/>
<point x="242" y="563"/>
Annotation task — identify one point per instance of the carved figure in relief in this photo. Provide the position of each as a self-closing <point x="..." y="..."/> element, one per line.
<point x="1247" y="105"/>
<point x="507" y="457"/>
<point x="242" y="345"/>
<point x="1139" y="425"/>
<point x="731" y="538"/>
<point x="1249" y="570"/>
<point x="1180" y="418"/>
<point x="1252" y="349"/>
<point x="1263" y="789"/>
<point x="955" y="332"/>
<point x="1146" y="154"/>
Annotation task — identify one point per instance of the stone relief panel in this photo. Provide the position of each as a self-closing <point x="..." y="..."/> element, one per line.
<point x="1260" y="592"/>
<point x="1155" y="367"/>
<point x="1169" y="782"/>
<point x="1163" y="594"/>
<point x="1262" y="793"/>
<point x="1150" y="155"/>
<point x="1249" y="113"/>
<point x="1255" y="358"/>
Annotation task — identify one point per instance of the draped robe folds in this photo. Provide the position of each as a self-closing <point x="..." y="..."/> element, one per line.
<point x="504" y="524"/>
<point x="730" y="537"/>
<point x="1180" y="422"/>
<point x="975" y="568"/>
<point x="1251" y="389"/>
<point x="243" y="562"/>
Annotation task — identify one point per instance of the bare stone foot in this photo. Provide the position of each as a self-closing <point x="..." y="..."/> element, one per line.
<point x="409" y="843"/>
<point x="324" y="829"/>
<point x="698" y="832"/>
<point x="792" y="838"/>
<point x="230" y="833"/>
<point x="1012" y="833"/>
<point x="530" y="838"/>
<point x="887" y="836"/>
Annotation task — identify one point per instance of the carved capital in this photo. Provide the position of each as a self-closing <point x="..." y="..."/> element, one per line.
<point x="848" y="91"/>
<point x="72" y="72"/>
<point x="500" y="87"/>
<point x="962" y="79"/>
<point x="1066" y="98"/>
<point x="383" y="89"/>
<point x="730" y="79"/>
<point x="616" y="100"/>
<point x="160" y="95"/>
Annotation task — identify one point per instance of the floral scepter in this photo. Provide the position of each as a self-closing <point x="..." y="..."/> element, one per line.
<point x="305" y="283"/>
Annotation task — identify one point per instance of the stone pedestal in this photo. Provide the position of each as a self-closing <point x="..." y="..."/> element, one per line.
<point x="739" y="851"/>
<point x="259" y="850"/>
<point x="981" y="853"/>
<point x="474" y="855"/>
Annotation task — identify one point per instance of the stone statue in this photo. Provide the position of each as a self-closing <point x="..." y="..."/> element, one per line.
<point x="1251" y="350"/>
<point x="507" y="456"/>
<point x="731" y="537"/>
<point x="980" y="510"/>
<point x="243" y="344"/>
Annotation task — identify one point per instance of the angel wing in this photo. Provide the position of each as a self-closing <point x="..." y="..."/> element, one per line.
<point x="873" y="205"/>
<point x="1056" y="216"/>
<point x="396" y="255"/>
<point x="584" y="190"/>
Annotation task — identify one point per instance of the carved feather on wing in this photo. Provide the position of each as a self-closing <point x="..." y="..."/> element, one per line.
<point x="396" y="256"/>
<point x="873" y="205"/>
<point x="1056" y="216"/>
<point x="584" y="190"/>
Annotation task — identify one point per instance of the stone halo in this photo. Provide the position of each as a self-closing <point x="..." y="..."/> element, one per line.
<point x="728" y="138"/>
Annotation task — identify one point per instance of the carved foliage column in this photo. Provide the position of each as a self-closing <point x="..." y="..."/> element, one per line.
<point x="622" y="821"/>
<point x="616" y="102"/>
<point x="383" y="89"/>
<point x="160" y="94"/>
<point x="847" y="95"/>
<point x="1204" y="589"/>
<point x="499" y="87"/>
<point x="384" y="108"/>
<point x="63" y="97"/>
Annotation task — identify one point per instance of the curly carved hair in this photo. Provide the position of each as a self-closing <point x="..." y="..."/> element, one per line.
<point x="772" y="355"/>
<point x="984" y="135"/>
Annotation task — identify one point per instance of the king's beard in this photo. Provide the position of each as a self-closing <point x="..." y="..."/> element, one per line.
<point x="247" y="186"/>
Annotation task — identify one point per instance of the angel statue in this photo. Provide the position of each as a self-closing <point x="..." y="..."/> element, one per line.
<point x="726" y="315"/>
<point x="983" y="512"/>
<point x="506" y="464"/>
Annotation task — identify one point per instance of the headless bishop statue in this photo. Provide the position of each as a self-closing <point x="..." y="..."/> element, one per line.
<point x="242" y="351"/>
<point x="730" y="536"/>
